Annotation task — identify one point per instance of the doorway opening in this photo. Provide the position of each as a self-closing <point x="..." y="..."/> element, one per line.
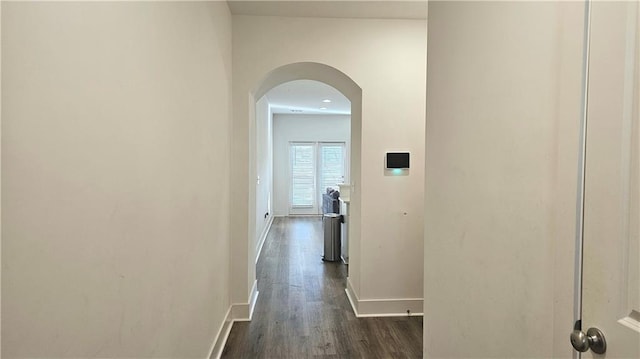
<point x="307" y="165"/>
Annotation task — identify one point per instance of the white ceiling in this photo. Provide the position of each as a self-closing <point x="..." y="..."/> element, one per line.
<point x="306" y="97"/>
<point x="370" y="9"/>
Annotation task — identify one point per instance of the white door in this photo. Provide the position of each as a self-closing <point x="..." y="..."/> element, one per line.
<point x="314" y="166"/>
<point x="611" y="282"/>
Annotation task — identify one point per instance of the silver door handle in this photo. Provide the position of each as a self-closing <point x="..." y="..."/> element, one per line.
<point x="593" y="339"/>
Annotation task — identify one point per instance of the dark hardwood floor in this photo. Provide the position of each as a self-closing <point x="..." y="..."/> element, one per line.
<point x="303" y="312"/>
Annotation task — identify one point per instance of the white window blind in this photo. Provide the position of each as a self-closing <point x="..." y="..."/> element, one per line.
<point x="302" y="175"/>
<point x="332" y="165"/>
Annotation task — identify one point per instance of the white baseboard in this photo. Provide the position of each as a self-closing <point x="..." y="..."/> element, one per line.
<point x="392" y="307"/>
<point x="243" y="312"/>
<point x="263" y="237"/>
<point x="240" y="312"/>
<point x="253" y="298"/>
<point x="221" y="338"/>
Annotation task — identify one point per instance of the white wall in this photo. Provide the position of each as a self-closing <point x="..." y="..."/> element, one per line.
<point x="0" y="180"/>
<point x="387" y="59"/>
<point x="503" y="109"/>
<point x="115" y="150"/>
<point x="264" y="159"/>
<point x="288" y="128"/>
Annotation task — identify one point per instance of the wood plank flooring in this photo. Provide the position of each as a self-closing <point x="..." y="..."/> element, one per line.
<point x="303" y="312"/>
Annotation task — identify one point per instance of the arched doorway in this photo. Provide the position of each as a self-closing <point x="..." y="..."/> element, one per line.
<point x="245" y="252"/>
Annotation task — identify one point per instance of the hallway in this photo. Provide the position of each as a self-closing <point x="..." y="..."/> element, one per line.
<point x="303" y="312"/>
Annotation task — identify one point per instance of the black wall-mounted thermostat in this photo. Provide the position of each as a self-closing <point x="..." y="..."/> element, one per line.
<point x="397" y="160"/>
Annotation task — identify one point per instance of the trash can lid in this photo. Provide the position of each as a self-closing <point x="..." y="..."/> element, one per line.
<point x="331" y="215"/>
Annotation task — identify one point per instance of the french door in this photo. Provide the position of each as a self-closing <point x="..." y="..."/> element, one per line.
<point x="313" y="167"/>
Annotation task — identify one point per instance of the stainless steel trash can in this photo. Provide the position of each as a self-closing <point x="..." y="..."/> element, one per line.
<point x="332" y="243"/>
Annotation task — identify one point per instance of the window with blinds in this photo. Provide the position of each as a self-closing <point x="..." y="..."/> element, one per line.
<point x="302" y="174"/>
<point x="314" y="166"/>
<point x="331" y="165"/>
